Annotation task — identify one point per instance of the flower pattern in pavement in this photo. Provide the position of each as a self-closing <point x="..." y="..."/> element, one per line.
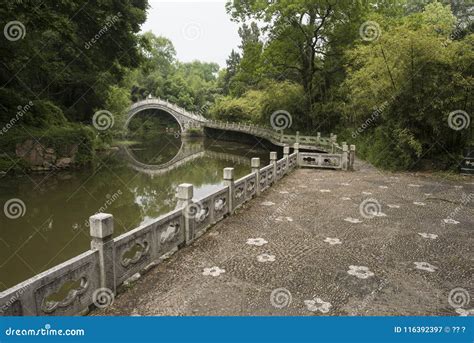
<point x="428" y="235"/>
<point x="265" y="258"/>
<point x="450" y="221"/>
<point x="318" y="304"/>
<point x="353" y="220"/>
<point x="425" y="266"/>
<point x="256" y="241"/>
<point x="465" y="313"/>
<point x="280" y="219"/>
<point x="361" y="272"/>
<point x="333" y="241"/>
<point x="213" y="271"/>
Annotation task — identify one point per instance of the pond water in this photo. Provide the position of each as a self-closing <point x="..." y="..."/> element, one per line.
<point x="135" y="184"/>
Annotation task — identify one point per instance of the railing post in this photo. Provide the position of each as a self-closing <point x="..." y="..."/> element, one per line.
<point x="318" y="137"/>
<point x="229" y="181"/>
<point x="281" y="135"/>
<point x="345" y="156"/>
<point x="333" y="142"/>
<point x="352" y="150"/>
<point x="286" y="153"/>
<point x="273" y="160"/>
<point x="185" y="199"/>
<point x="296" y="148"/>
<point x="101" y="227"/>
<point x="297" y="136"/>
<point x="255" y="163"/>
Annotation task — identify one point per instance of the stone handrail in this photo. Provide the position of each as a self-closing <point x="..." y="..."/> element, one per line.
<point x="277" y="138"/>
<point x="167" y="104"/>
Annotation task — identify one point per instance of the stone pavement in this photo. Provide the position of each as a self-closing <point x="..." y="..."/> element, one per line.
<point x="325" y="242"/>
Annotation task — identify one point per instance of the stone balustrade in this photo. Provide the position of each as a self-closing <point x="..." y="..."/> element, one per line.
<point x="278" y="138"/>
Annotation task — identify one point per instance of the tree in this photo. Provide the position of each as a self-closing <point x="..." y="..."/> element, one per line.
<point x="414" y="76"/>
<point x="299" y="33"/>
<point x="72" y="51"/>
<point x="232" y="67"/>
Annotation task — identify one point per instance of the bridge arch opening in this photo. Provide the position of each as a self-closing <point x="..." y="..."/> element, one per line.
<point x="152" y="119"/>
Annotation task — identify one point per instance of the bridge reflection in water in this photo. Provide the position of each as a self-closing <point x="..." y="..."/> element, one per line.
<point x="189" y="150"/>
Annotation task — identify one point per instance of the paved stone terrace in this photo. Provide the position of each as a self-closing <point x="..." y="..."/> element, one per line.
<point x="317" y="254"/>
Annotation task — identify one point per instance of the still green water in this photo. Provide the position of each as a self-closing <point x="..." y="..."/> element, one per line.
<point x="129" y="183"/>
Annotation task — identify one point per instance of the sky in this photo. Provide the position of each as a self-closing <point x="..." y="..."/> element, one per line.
<point x="199" y="30"/>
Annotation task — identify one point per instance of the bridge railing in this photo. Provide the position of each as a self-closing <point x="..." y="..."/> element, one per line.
<point x="97" y="273"/>
<point x="277" y="136"/>
<point x="167" y="104"/>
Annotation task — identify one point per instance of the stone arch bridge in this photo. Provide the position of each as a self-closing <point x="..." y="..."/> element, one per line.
<point x="188" y="120"/>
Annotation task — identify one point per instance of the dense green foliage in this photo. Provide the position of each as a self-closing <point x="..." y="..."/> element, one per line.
<point x="418" y="75"/>
<point x="385" y="75"/>
<point x="60" y="61"/>
<point x="257" y="105"/>
<point x="72" y="51"/>
<point x="190" y="85"/>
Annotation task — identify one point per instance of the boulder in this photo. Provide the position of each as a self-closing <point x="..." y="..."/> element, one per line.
<point x="40" y="158"/>
<point x="64" y="162"/>
<point x="32" y="152"/>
